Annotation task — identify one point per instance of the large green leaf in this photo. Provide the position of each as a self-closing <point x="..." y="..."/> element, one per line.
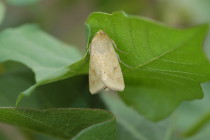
<point x="168" y="64"/>
<point x="77" y="124"/>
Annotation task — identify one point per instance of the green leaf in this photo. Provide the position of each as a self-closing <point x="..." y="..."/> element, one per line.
<point x="2" y="11"/>
<point x="39" y="51"/>
<point x="60" y="94"/>
<point x="77" y="124"/>
<point x="168" y="64"/>
<point x="34" y="48"/>
<point x="192" y="118"/>
<point x="132" y="125"/>
<point x="22" y="2"/>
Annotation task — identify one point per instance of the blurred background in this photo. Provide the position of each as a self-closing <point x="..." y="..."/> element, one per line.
<point x="65" y="20"/>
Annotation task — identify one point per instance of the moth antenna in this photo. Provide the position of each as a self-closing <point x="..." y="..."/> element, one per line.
<point x="89" y="48"/>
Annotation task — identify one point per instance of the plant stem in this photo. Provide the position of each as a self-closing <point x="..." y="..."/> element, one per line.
<point x="198" y="126"/>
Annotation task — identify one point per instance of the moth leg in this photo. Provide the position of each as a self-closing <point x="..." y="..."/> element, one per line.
<point x="89" y="49"/>
<point x="126" y="65"/>
<point x="118" y="48"/>
<point x="83" y="62"/>
<point x="88" y="52"/>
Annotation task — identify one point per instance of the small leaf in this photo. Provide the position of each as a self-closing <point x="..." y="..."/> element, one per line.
<point x="39" y="51"/>
<point x="132" y="125"/>
<point x="77" y="124"/>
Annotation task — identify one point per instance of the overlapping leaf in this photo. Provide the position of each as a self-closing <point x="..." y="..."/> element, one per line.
<point x="134" y="126"/>
<point x="66" y="123"/>
<point x="61" y="94"/>
<point x="65" y="93"/>
<point x="39" y="51"/>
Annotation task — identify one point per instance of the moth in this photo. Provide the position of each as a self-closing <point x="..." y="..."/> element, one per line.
<point x="104" y="69"/>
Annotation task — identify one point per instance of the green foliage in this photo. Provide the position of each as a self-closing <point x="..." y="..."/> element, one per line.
<point x="34" y="48"/>
<point x="58" y="94"/>
<point x="163" y="74"/>
<point x="61" y="94"/>
<point x="38" y="51"/>
<point x="162" y="67"/>
<point x="134" y="126"/>
<point x="192" y="118"/>
<point x="64" y="123"/>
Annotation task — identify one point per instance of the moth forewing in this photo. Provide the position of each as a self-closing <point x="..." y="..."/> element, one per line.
<point x="104" y="71"/>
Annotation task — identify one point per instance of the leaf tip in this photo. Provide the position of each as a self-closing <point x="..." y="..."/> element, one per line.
<point x="20" y="97"/>
<point x="26" y="92"/>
